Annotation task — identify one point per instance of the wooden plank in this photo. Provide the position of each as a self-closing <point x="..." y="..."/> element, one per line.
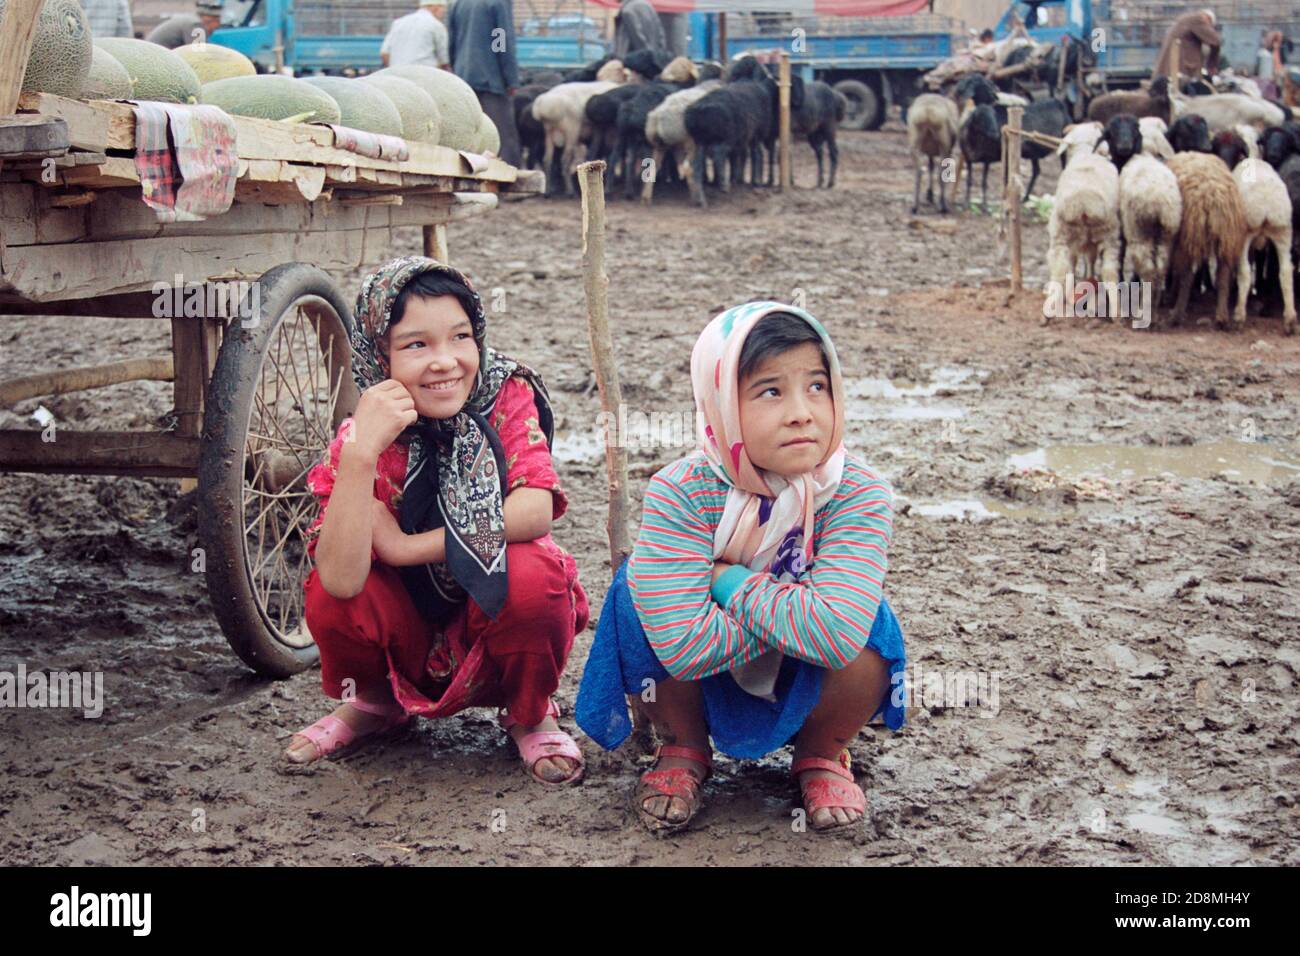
<point x="31" y="136"/>
<point x="190" y="379"/>
<point x="17" y="31"/>
<point x="87" y="126"/>
<point x="160" y="454"/>
<point x="64" y="381"/>
<point x="18" y="213"/>
<point x="136" y="305"/>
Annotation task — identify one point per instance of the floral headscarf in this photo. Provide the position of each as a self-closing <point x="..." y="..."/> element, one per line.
<point x="455" y="471"/>
<point x="767" y="522"/>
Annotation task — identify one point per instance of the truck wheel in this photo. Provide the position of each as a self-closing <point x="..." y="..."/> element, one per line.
<point x="864" y="110"/>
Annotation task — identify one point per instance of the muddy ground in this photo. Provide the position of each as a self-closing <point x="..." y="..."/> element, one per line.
<point x="1135" y="631"/>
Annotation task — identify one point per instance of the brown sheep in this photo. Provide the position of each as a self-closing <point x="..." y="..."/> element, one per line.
<point x="1213" y="229"/>
<point x="1153" y="102"/>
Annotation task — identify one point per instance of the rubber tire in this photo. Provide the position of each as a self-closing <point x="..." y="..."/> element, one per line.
<point x="228" y="404"/>
<point x="869" y="113"/>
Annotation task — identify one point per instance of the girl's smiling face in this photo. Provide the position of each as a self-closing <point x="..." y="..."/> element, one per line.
<point x="432" y="352"/>
<point x="787" y="412"/>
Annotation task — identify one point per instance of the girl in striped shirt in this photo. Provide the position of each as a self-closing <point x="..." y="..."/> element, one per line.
<point x="750" y="611"/>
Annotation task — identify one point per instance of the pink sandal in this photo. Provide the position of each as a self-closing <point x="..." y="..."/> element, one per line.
<point x="822" y="794"/>
<point x="330" y="734"/>
<point x="677" y="782"/>
<point x="546" y="743"/>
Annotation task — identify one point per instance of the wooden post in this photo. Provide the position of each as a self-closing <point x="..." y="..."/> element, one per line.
<point x="17" y="31"/>
<point x="1175" y="67"/>
<point x="722" y="38"/>
<point x="783" y="86"/>
<point x="591" y="181"/>
<point x="1015" y="117"/>
<point x="435" y="242"/>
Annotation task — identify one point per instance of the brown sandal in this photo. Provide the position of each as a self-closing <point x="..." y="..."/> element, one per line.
<point x="677" y="782"/>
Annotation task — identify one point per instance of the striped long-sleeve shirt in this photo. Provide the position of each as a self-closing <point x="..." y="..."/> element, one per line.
<point x="824" y="618"/>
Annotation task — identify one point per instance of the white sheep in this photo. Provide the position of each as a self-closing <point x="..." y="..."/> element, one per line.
<point x="931" y="133"/>
<point x="1150" y="212"/>
<point x="1268" y="220"/>
<point x="1082" y="138"/>
<point x="562" y="111"/>
<point x="665" y="131"/>
<point x="1154" y="141"/>
<point x="1223" y="111"/>
<point x="1085" y="222"/>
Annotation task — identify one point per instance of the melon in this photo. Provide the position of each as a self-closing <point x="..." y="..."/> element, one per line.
<point x="489" y="140"/>
<point x="421" y="121"/>
<point x="361" y="105"/>
<point x="271" y="97"/>
<point x="156" y="72"/>
<point x="457" y="105"/>
<point x="108" y="79"/>
<point x="61" y="49"/>
<point x="212" y="61"/>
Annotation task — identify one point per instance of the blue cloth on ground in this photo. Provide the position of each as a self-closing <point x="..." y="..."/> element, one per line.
<point x="741" y="725"/>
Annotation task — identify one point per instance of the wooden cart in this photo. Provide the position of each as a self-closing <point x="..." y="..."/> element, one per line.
<point x="260" y="360"/>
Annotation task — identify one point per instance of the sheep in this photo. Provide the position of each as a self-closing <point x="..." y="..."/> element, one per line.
<point x="1080" y="138"/>
<point x="1278" y="142"/>
<point x="601" y="112"/>
<point x="816" y="120"/>
<point x="665" y="131"/>
<point x="1150" y="212"/>
<point x="1085" y="221"/>
<point x="980" y="129"/>
<point x="1154" y="140"/>
<point x="1123" y="139"/>
<point x="1223" y="111"/>
<point x="1154" y="102"/>
<point x="631" y="144"/>
<point x="647" y="63"/>
<point x="532" y="135"/>
<point x="932" y="133"/>
<point x="1268" y="220"/>
<point x="732" y="122"/>
<point x="562" y="113"/>
<point x="1213" y="229"/>
<point x="1189" y="133"/>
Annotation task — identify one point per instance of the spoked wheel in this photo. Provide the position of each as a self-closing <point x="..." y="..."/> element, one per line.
<point x="281" y="386"/>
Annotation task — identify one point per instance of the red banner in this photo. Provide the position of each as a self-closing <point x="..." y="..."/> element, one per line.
<point x="838" y="8"/>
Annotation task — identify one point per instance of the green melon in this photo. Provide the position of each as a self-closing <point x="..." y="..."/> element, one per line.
<point x="156" y="72"/>
<point x="489" y="139"/>
<point x="361" y="105"/>
<point x="212" y="61"/>
<point x="421" y="121"/>
<point x="108" y="79"/>
<point x="61" y="49"/>
<point x="457" y="105"/>
<point x="271" y="97"/>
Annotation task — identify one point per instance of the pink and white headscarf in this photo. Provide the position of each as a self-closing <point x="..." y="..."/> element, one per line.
<point x="762" y="507"/>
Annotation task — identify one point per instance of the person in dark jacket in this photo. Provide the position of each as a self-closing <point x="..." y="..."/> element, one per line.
<point x="637" y="27"/>
<point x="482" y="34"/>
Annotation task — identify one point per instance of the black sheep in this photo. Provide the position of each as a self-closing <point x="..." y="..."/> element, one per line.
<point x="630" y="145"/>
<point x="647" y="63"/>
<point x="1278" y="142"/>
<point x="586" y="74"/>
<point x="731" y="123"/>
<point x="980" y="135"/>
<point x="602" y="113"/>
<point x="816" y="119"/>
<point x="1123" y="137"/>
<point x="1189" y="134"/>
<point x="1229" y="147"/>
<point x="532" y="137"/>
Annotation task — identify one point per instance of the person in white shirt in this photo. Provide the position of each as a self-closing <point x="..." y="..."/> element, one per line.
<point x="417" y="38"/>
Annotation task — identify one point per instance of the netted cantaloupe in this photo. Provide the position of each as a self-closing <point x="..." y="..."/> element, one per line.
<point x="156" y="72"/>
<point x="489" y="139"/>
<point x="212" y="61"/>
<point x="361" y="105"/>
<point x="271" y="97"/>
<point x="421" y="121"/>
<point x="458" y="107"/>
<point x="61" y="49"/>
<point x="108" y="79"/>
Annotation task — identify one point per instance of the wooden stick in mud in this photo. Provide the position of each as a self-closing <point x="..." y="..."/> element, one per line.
<point x="591" y="181"/>
<point x="1015" y="115"/>
<point x="783" y="86"/>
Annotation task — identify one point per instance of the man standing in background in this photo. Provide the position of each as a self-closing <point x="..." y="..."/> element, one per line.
<point x="108" y="18"/>
<point x="637" y="27"/>
<point x="1189" y="33"/>
<point x="183" y="28"/>
<point x="483" y="55"/>
<point x="418" y="39"/>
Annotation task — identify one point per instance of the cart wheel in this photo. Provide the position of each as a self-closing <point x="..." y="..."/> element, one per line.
<point x="281" y="386"/>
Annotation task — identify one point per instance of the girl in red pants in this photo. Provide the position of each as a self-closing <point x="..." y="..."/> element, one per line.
<point x="437" y="585"/>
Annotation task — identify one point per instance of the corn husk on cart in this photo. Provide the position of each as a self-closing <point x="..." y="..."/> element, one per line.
<point x="260" y="358"/>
